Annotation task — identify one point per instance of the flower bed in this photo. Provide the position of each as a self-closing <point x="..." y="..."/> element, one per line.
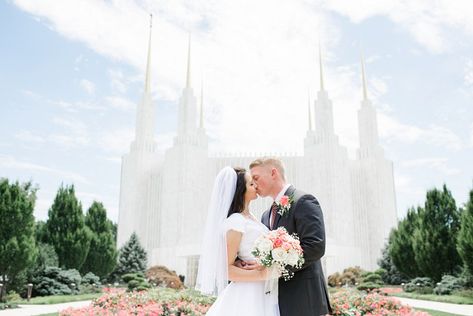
<point x="350" y="302"/>
<point x="169" y="302"/>
<point x="155" y="302"/>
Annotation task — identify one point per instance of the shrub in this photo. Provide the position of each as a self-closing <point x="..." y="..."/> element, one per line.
<point x="449" y="284"/>
<point x="162" y="276"/>
<point x="351" y="302"/>
<point x="135" y="281"/>
<point x="350" y="276"/>
<point x="373" y="277"/>
<point x="334" y="279"/>
<point x="420" y="285"/>
<point x="90" y="278"/>
<point x="55" y="281"/>
<point x="464" y="293"/>
<point x="368" y="286"/>
<point x="12" y="296"/>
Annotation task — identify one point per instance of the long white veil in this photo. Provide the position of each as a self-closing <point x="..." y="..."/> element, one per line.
<point x="212" y="275"/>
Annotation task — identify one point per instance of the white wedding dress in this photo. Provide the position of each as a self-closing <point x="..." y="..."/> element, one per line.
<point x="245" y="298"/>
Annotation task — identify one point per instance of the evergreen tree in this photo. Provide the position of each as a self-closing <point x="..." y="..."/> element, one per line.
<point x="465" y="236"/>
<point x="401" y="248"/>
<point x="66" y="230"/>
<point x="102" y="256"/>
<point x="392" y="276"/>
<point x="17" y="242"/>
<point x="435" y="237"/>
<point x="41" y="232"/>
<point x="132" y="257"/>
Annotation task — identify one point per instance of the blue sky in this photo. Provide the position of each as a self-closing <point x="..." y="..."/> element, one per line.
<point x="72" y="74"/>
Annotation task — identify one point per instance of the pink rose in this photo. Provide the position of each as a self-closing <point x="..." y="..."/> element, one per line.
<point x="277" y="243"/>
<point x="284" y="200"/>
<point x="286" y="246"/>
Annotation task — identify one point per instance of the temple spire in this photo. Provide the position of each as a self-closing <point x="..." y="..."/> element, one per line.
<point x="188" y="81"/>
<point x="148" y="63"/>
<point x="201" y="120"/>
<point x="321" y="69"/>
<point x="309" y="112"/>
<point x="363" y="78"/>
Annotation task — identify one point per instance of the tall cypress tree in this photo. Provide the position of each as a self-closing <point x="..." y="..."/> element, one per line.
<point x="17" y="241"/>
<point x="132" y="257"/>
<point x="435" y="238"/>
<point x="401" y="248"/>
<point x="66" y="230"/>
<point x="465" y="236"/>
<point x="102" y="256"/>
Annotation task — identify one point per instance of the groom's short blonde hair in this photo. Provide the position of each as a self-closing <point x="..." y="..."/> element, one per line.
<point x="270" y="161"/>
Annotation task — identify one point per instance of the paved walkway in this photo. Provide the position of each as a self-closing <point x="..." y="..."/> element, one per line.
<point x="438" y="306"/>
<point x="29" y="310"/>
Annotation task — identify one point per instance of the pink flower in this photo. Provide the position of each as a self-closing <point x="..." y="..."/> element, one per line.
<point x="284" y="200"/>
<point x="277" y="243"/>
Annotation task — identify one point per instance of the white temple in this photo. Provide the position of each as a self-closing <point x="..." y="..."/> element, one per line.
<point x="165" y="203"/>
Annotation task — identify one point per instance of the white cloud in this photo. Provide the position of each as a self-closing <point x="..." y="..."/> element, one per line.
<point x="28" y="136"/>
<point x="440" y="136"/>
<point x="117" y="141"/>
<point x="435" y="163"/>
<point x="428" y="22"/>
<point x="468" y="77"/>
<point x="471" y="135"/>
<point x="120" y="103"/>
<point x="13" y="163"/>
<point x="117" y="80"/>
<point x="88" y="86"/>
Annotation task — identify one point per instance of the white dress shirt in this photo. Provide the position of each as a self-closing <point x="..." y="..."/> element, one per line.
<point x="278" y="197"/>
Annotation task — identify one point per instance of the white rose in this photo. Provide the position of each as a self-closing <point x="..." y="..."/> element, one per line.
<point x="265" y="245"/>
<point x="292" y="258"/>
<point x="279" y="254"/>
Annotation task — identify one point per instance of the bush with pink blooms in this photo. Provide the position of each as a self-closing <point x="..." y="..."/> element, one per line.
<point x="155" y="302"/>
<point x="351" y="302"/>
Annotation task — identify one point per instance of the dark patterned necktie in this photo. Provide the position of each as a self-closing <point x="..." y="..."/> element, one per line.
<point x="274" y="209"/>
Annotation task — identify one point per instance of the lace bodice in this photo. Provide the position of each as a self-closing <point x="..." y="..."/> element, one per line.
<point x="251" y="230"/>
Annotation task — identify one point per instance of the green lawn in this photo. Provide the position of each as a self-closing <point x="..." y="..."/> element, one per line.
<point x="431" y="312"/>
<point x="57" y="299"/>
<point x="437" y="298"/>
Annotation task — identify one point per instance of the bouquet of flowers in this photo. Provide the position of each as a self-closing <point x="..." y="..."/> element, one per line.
<point x="278" y="250"/>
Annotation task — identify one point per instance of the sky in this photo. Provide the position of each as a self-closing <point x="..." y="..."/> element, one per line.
<point x="72" y="73"/>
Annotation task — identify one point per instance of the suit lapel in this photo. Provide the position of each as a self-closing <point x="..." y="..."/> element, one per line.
<point x="289" y="192"/>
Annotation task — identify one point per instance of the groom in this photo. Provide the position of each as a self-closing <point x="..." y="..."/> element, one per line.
<point x="305" y="294"/>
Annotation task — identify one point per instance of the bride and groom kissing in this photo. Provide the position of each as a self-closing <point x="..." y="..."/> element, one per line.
<point x="227" y="265"/>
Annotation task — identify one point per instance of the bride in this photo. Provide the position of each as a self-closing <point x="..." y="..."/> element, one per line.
<point x="230" y="232"/>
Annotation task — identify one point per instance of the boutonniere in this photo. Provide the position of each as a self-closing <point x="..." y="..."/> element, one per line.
<point x="284" y="204"/>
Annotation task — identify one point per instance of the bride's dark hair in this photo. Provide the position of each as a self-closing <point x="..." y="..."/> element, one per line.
<point x="238" y="202"/>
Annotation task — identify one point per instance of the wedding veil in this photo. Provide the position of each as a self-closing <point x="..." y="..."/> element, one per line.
<point x="212" y="275"/>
